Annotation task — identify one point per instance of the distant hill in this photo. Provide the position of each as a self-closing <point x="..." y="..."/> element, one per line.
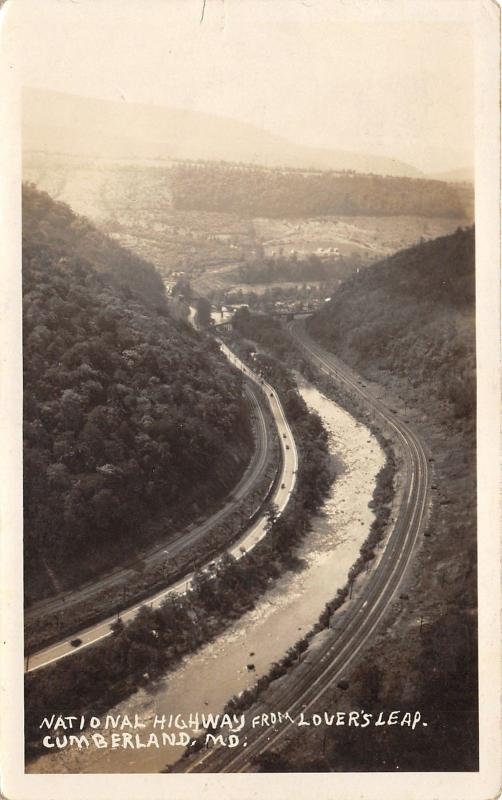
<point x="133" y="424"/>
<point x="57" y="122"/>
<point x="411" y="315"/>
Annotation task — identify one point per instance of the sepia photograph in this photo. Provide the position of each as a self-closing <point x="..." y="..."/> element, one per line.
<point x="255" y="522"/>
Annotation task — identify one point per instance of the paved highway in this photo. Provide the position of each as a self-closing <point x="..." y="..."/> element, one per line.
<point x="281" y="492"/>
<point x="303" y="689"/>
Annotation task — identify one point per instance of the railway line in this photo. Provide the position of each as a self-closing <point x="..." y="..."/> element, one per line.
<point x="306" y="685"/>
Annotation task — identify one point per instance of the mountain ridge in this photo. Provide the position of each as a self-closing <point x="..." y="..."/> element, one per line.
<point x="59" y="122"/>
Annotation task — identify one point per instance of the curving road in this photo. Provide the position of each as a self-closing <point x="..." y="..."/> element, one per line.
<point x="281" y="493"/>
<point x="305" y="686"/>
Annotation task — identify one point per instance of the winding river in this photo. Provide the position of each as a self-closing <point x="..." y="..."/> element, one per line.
<point x="206" y="680"/>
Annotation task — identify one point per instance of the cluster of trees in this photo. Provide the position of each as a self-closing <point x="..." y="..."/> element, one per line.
<point x="203" y="307"/>
<point x="291" y="268"/>
<point x="413" y="315"/>
<point x="283" y="353"/>
<point x="285" y="193"/>
<point x="271" y="335"/>
<point x="299" y="294"/>
<point x="126" y="412"/>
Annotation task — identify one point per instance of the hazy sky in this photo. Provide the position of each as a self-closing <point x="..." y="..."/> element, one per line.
<point x="391" y="78"/>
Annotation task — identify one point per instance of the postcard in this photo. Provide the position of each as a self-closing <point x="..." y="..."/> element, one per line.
<point x="251" y="399"/>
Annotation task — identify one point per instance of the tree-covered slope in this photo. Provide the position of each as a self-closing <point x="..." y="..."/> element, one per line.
<point x="254" y="192"/>
<point x="46" y="223"/>
<point x="411" y="315"/>
<point x="129" y="416"/>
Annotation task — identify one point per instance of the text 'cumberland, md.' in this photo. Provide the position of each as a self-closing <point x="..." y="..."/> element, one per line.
<point x="163" y="730"/>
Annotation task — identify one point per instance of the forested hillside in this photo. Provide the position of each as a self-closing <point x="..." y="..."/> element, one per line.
<point x="412" y="315"/>
<point x="409" y="323"/>
<point x="46" y="223"/>
<point x="126" y="411"/>
<point x="258" y="192"/>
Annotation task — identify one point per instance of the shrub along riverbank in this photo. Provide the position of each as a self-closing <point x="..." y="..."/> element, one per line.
<point x="157" y="639"/>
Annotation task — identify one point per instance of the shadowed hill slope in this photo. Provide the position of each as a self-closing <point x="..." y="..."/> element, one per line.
<point x="129" y="416"/>
<point x="411" y="315"/>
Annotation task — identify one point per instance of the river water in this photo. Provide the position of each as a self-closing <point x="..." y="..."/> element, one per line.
<point x="206" y="680"/>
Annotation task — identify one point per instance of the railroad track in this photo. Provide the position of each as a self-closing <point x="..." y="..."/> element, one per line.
<point x="305" y="687"/>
